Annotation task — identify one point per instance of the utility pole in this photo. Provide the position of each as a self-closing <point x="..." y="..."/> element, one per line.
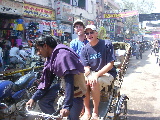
<point x="80" y="16"/>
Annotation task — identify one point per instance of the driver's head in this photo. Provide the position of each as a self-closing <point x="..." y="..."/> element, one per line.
<point x="45" y="44"/>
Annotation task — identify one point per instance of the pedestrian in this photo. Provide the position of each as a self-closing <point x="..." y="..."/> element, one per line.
<point x="137" y="49"/>
<point x="81" y="40"/>
<point x="67" y="37"/>
<point x="6" y="57"/>
<point x="15" y="57"/>
<point x="1" y="57"/>
<point x="23" y="53"/>
<point x="98" y="59"/>
<point x="63" y="62"/>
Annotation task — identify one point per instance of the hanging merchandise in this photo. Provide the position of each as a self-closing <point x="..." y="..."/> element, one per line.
<point x="6" y="23"/>
<point x="55" y="33"/>
<point x="60" y="32"/>
<point x="13" y="32"/>
<point x="20" y="25"/>
<point x="11" y="24"/>
<point x="33" y="30"/>
<point x="15" y="24"/>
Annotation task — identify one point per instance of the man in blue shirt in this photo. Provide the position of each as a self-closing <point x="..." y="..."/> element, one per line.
<point x="80" y="41"/>
<point x="97" y="56"/>
<point x="63" y="62"/>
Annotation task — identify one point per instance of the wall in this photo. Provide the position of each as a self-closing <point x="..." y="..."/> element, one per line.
<point x="90" y="11"/>
<point x="40" y="2"/>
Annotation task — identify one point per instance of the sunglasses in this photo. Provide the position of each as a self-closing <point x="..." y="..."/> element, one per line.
<point x="89" y="33"/>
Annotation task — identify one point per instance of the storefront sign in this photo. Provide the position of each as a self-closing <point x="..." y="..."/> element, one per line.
<point x="65" y="28"/>
<point x="20" y="0"/>
<point x="35" y="11"/>
<point x="48" y="25"/>
<point x="67" y="18"/>
<point x="119" y="15"/>
<point x="54" y="25"/>
<point x="11" y="7"/>
<point x="64" y="11"/>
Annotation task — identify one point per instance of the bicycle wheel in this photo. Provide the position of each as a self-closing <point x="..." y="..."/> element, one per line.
<point x="120" y="112"/>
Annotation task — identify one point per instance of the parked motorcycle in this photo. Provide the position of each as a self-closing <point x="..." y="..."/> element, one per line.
<point x="14" y="95"/>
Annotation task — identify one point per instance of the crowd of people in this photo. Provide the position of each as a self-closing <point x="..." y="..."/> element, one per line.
<point x="12" y="55"/>
<point x="138" y="48"/>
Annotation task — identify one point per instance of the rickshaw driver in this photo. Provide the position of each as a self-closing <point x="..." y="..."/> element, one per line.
<point x="63" y="62"/>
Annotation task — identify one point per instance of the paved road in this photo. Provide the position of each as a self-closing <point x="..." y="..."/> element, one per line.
<point x="142" y="85"/>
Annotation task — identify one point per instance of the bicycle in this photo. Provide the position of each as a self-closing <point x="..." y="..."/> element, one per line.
<point x="43" y="116"/>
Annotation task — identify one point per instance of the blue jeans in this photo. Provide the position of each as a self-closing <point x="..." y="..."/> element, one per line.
<point x="76" y="108"/>
<point x="46" y="103"/>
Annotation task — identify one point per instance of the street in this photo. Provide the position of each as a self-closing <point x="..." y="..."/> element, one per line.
<point x="141" y="85"/>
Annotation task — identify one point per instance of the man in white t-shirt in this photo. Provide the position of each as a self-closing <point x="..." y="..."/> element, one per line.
<point x="22" y="52"/>
<point x="15" y="56"/>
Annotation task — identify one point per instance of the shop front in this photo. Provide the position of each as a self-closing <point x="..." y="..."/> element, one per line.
<point x="38" y="20"/>
<point x="11" y="28"/>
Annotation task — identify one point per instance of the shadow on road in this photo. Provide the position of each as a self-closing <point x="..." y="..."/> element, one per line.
<point x="130" y="112"/>
<point x="134" y="112"/>
<point x="142" y="118"/>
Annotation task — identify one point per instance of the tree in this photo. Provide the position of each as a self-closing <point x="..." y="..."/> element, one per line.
<point x="142" y="6"/>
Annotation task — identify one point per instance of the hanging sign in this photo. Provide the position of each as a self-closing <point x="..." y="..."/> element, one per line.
<point x="65" y="27"/>
<point x="119" y="15"/>
<point x="64" y="11"/>
<point x="11" y="7"/>
<point x="35" y="11"/>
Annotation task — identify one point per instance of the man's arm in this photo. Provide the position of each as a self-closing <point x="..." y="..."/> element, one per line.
<point x="39" y="94"/>
<point x="105" y="69"/>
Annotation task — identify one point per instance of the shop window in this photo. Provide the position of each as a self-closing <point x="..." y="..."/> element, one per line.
<point x="82" y="4"/>
<point x="66" y="1"/>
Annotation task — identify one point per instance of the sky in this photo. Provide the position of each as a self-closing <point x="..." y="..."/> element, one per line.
<point x="156" y="3"/>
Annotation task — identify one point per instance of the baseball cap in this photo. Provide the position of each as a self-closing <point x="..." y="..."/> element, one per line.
<point x="78" y="21"/>
<point x="93" y="27"/>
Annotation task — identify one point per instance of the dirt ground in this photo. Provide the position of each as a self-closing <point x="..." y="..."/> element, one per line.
<point x="142" y="86"/>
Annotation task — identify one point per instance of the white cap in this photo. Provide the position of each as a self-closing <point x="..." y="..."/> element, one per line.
<point x="93" y="27"/>
<point x="78" y="21"/>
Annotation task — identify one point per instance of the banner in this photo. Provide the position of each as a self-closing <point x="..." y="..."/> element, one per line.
<point x="34" y="11"/>
<point x="64" y="11"/>
<point x="65" y="28"/>
<point x="119" y="15"/>
<point x="11" y="7"/>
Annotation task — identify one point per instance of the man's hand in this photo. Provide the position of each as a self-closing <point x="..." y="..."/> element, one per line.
<point x="30" y="103"/>
<point x="64" y="112"/>
<point x="94" y="79"/>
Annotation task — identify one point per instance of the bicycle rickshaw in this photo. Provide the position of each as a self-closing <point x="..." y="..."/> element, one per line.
<point x="113" y="105"/>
